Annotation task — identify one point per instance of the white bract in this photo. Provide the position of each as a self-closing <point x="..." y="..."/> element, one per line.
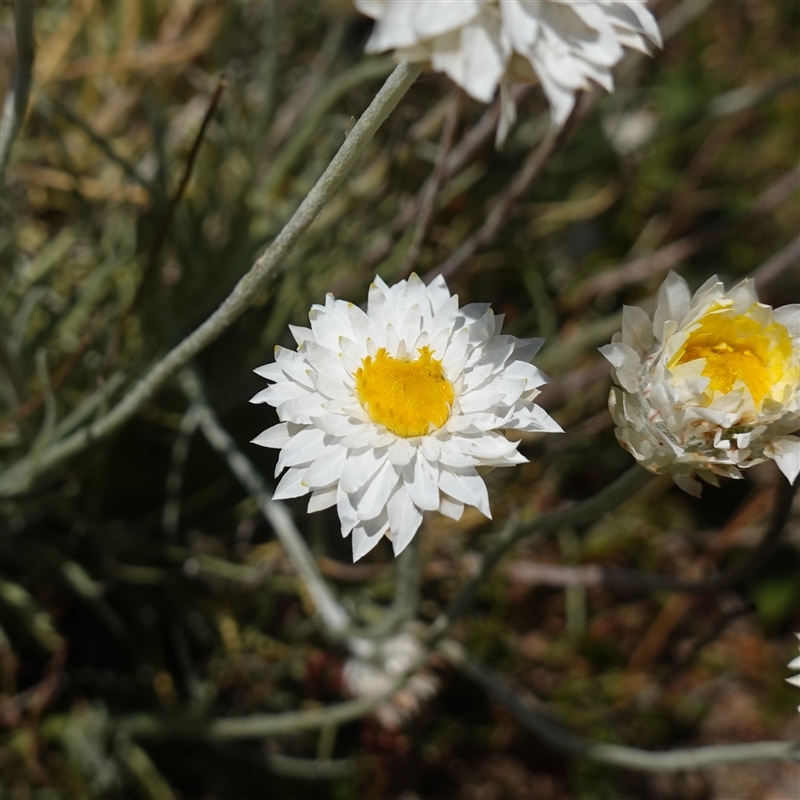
<point x="483" y="44"/>
<point x="390" y="412"/>
<point x="710" y="385"/>
<point x="377" y="666"/>
<point x="795" y="664"/>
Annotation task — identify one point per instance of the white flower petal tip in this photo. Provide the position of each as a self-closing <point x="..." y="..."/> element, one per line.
<point x="389" y="413"/>
<point x="711" y="386"/>
<point x="565" y="45"/>
<point x="795" y="664"/>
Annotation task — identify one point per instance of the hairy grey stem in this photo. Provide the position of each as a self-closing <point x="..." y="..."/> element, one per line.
<point x="257" y="726"/>
<point x="334" y="617"/>
<point x="406" y="596"/>
<point x="21" y="474"/>
<point x="311" y="769"/>
<point x="553" y="732"/>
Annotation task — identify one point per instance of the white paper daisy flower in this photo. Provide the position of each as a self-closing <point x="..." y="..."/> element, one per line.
<point x="390" y="412"/>
<point x="795" y="664"/>
<point x="710" y="385"/>
<point x="482" y="44"/>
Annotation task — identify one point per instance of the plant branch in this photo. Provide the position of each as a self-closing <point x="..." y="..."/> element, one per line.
<point x="503" y="207"/>
<point x="577" y="515"/>
<point x="637" y="582"/>
<point x="258" y="726"/>
<point x="645" y="267"/>
<point x="243" y="294"/>
<point x="553" y="732"/>
<point x="406" y="597"/>
<point x="334" y="617"/>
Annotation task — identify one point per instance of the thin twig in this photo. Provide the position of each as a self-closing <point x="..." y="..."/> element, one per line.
<point x="555" y="734"/>
<point x="243" y="294"/>
<point x="641" y="269"/>
<point x="158" y="242"/>
<point x="170" y="519"/>
<point x="431" y="188"/>
<point x="258" y="726"/>
<point x="34" y="402"/>
<point x="101" y="142"/>
<point x="166" y="221"/>
<point x="776" y="265"/>
<point x="335" y="619"/>
<point x="16" y="103"/>
<point x="631" y="581"/>
<point x="457" y="159"/>
<point x="503" y="206"/>
<point x="586" y="511"/>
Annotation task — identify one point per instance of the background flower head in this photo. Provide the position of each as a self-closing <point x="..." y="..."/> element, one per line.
<point x="390" y="412"/>
<point x="482" y="44"/>
<point x="710" y="385"/>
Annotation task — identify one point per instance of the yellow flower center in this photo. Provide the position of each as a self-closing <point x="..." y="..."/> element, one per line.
<point x="738" y="348"/>
<point x="409" y="397"/>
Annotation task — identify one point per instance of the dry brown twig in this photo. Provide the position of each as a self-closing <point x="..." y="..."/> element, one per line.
<point x="431" y="188"/>
<point x="646" y="267"/>
<point x="631" y="581"/>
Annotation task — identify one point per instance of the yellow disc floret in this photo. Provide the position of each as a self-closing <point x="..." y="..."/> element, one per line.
<point x="739" y="348"/>
<point x="409" y="397"/>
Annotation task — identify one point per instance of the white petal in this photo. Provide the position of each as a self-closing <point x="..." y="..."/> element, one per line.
<point x="367" y="534"/>
<point x="280" y="392"/>
<point x="359" y="468"/>
<point x="466" y="486"/>
<point x="421" y="481"/>
<point x="456" y="355"/>
<point x="672" y="303"/>
<point x="272" y="372"/>
<point x="301" y="409"/>
<point x="276" y="436"/>
<point x="338" y="425"/>
<point x="401" y="452"/>
<point x="373" y="499"/>
<point x="344" y="508"/>
<point x="786" y="452"/>
<point x="626" y="363"/>
<point x="789" y="317"/>
<point x="637" y="329"/>
<point x="404" y="519"/>
<point x="451" y="508"/>
<point x="438" y="293"/>
<point x="689" y="485"/>
<point x="291" y="485"/>
<point x="532" y="418"/>
<point x="301" y="449"/>
<point x="321" y="499"/>
<point x="326" y="467"/>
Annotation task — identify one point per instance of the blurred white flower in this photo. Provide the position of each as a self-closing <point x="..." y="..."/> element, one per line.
<point x="483" y="44"/>
<point x="795" y="664"/>
<point x="376" y="665"/>
<point x="388" y="413"/>
<point x="710" y="385"/>
<point x="630" y="131"/>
